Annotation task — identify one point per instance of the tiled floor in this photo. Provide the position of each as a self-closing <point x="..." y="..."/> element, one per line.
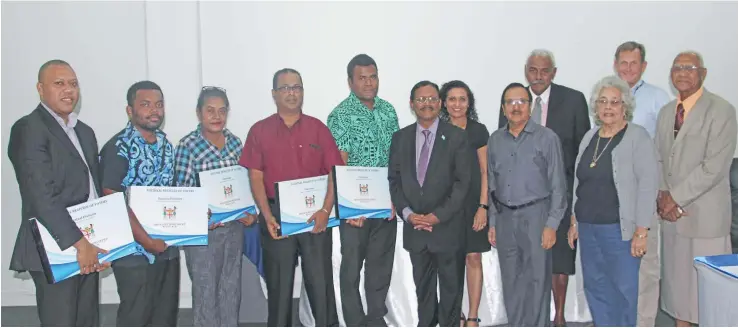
<point x="25" y="316"/>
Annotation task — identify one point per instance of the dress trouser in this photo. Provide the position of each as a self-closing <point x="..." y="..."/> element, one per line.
<point x="73" y="302"/>
<point x="280" y="260"/>
<point x="215" y="271"/>
<point x="525" y="267"/>
<point x="649" y="278"/>
<point x="149" y="293"/>
<point x="610" y="275"/>
<point x="428" y="269"/>
<point x="375" y="243"/>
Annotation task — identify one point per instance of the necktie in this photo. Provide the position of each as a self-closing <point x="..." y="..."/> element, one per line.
<point x="679" y="119"/>
<point x="536" y="115"/>
<point x="424" y="156"/>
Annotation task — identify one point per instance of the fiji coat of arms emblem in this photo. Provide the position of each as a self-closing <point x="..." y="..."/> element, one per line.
<point x="310" y="201"/>
<point x="170" y="212"/>
<point x="228" y="191"/>
<point x="88" y="231"/>
<point x="364" y="189"/>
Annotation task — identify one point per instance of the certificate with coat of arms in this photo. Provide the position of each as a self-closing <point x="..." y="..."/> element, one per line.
<point x="103" y="221"/>
<point x="298" y="200"/>
<point x="362" y="191"/>
<point x="229" y="193"/>
<point x="176" y="215"/>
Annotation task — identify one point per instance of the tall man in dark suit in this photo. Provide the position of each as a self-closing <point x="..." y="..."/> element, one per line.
<point x="563" y="110"/>
<point x="55" y="160"/>
<point x="429" y="178"/>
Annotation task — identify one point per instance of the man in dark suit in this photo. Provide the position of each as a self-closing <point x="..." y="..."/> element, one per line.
<point x="55" y="160"/>
<point x="565" y="111"/>
<point x="429" y="178"/>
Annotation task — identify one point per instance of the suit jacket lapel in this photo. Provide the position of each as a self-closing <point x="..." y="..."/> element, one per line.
<point x="57" y="131"/>
<point x="89" y="155"/>
<point x="696" y="113"/>
<point x="554" y="102"/>
<point x="411" y="155"/>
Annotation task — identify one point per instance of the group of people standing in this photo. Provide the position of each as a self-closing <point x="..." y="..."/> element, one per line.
<point x="651" y="170"/>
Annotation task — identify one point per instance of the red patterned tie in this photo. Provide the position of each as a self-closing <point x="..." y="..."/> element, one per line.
<point x="679" y="119"/>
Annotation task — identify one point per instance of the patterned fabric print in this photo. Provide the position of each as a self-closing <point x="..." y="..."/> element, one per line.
<point x="196" y="154"/>
<point x="364" y="134"/>
<point x="148" y="165"/>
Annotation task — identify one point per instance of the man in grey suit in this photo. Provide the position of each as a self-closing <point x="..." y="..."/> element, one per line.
<point x="55" y="160"/>
<point x="528" y="188"/>
<point x="429" y="178"/>
<point x="696" y="139"/>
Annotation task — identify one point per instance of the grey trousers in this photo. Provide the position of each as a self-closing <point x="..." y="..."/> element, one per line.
<point x="649" y="279"/>
<point x="215" y="271"/>
<point x="525" y="266"/>
<point x="74" y="302"/>
<point x="375" y="244"/>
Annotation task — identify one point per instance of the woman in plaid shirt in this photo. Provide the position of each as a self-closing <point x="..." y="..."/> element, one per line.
<point x="215" y="270"/>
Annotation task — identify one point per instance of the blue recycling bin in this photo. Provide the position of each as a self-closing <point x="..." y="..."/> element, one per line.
<point x="717" y="283"/>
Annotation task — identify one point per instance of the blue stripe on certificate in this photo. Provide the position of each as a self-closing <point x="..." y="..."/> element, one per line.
<point x="293" y="226"/>
<point x="65" y="266"/>
<point x="347" y="209"/>
<point x="222" y="215"/>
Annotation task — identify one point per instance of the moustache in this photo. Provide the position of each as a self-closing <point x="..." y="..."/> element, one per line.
<point x="427" y="108"/>
<point x="538" y="82"/>
<point x="517" y="112"/>
<point x="154" y="116"/>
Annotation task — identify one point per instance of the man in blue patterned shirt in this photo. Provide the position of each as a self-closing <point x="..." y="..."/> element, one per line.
<point x="141" y="155"/>
<point x="215" y="269"/>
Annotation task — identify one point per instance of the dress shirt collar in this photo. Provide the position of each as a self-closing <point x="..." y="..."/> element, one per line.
<point x="544" y="96"/>
<point x="71" y="119"/>
<point x="433" y="128"/>
<point x="637" y="86"/>
<point x="691" y="100"/>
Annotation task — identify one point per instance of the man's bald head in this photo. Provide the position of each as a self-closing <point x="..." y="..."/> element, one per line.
<point x="46" y="65"/>
<point x="58" y="87"/>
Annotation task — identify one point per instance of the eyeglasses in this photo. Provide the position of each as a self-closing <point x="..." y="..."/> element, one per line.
<point x="210" y="88"/>
<point x="287" y="89"/>
<point x="426" y="100"/>
<point x="513" y="102"/>
<point x="685" y="68"/>
<point x="613" y="103"/>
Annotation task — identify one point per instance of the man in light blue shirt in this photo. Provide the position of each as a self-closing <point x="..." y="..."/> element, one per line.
<point x="630" y="63"/>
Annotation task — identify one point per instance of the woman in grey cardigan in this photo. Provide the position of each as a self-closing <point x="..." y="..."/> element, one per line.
<point x="615" y="189"/>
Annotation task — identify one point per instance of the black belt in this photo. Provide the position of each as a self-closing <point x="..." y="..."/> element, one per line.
<point x="271" y="201"/>
<point x="521" y="206"/>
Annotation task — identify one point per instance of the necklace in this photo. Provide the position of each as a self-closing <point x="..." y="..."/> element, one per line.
<point x="596" y="157"/>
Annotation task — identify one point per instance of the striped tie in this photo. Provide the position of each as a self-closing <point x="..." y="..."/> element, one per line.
<point x="678" y="120"/>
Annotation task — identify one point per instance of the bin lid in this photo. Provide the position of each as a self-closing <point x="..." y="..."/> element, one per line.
<point x="727" y="263"/>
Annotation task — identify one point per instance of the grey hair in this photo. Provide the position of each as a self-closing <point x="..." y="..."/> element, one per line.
<point x="542" y="53"/>
<point x="693" y="53"/>
<point x="612" y="81"/>
<point x="631" y="46"/>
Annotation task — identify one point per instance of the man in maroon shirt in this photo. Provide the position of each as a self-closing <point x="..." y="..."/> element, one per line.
<point x="285" y="146"/>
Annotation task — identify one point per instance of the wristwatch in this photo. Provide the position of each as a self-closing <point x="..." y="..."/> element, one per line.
<point x="486" y="207"/>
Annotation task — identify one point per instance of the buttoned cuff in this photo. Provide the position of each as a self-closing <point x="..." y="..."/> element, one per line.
<point x="492" y="216"/>
<point x="553" y="223"/>
<point x="406" y="213"/>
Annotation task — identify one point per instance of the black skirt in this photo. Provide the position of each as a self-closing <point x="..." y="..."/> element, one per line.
<point x="563" y="255"/>
<point x="476" y="241"/>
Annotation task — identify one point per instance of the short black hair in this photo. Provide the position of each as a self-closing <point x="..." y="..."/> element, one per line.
<point x="141" y="85"/>
<point x="511" y="86"/>
<point x="284" y="71"/>
<point x="359" y="60"/>
<point x="421" y="84"/>
<point x="471" y="113"/>
<point x="210" y="91"/>
<point x="53" y="62"/>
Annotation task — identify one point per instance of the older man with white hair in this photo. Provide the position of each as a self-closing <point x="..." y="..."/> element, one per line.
<point x="696" y="140"/>
<point x="563" y="110"/>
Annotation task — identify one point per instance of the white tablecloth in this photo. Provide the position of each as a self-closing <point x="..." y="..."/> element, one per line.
<point x="402" y="302"/>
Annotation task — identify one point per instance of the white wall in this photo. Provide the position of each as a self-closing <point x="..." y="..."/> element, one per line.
<point x="239" y="45"/>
